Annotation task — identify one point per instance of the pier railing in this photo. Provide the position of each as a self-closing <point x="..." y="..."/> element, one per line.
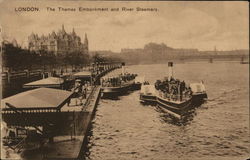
<point x="89" y="98"/>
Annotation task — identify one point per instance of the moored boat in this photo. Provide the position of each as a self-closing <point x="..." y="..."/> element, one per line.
<point x="117" y="85"/>
<point x="116" y="89"/>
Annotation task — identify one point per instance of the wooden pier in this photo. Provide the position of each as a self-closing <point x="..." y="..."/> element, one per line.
<point x="73" y="148"/>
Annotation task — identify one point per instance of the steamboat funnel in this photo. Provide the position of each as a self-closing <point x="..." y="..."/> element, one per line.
<point x="170" y="70"/>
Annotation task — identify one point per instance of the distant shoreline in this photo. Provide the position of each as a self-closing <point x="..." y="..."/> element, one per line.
<point x="177" y="61"/>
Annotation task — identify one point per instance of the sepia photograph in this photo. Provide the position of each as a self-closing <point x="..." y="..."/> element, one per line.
<point x="124" y="80"/>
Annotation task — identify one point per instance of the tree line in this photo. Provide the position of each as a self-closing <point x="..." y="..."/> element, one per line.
<point x="16" y="59"/>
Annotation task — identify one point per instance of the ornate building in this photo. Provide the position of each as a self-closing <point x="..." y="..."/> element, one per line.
<point x="58" y="43"/>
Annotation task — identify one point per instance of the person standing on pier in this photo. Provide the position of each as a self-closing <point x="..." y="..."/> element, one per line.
<point x="84" y="91"/>
<point x="78" y="91"/>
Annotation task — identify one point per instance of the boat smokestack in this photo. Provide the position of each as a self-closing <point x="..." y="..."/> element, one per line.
<point x="170" y="70"/>
<point x="123" y="68"/>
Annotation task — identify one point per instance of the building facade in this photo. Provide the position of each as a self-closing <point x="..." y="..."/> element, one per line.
<point x="58" y="43"/>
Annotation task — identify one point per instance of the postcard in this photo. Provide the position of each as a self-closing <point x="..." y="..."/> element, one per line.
<point x="124" y="80"/>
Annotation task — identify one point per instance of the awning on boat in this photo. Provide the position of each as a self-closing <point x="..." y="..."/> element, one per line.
<point x="50" y="82"/>
<point x="148" y="90"/>
<point x="197" y="87"/>
<point x="40" y="98"/>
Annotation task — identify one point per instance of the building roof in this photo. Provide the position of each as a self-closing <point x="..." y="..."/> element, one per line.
<point x="38" y="98"/>
<point x="83" y="74"/>
<point x="47" y="82"/>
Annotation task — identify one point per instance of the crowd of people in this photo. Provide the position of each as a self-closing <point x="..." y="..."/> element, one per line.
<point x="173" y="89"/>
<point x="117" y="80"/>
<point x="80" y="90"/>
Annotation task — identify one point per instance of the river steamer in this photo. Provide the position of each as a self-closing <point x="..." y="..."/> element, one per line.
<point x="176" y="102"/>
<point x="117" y="90"/>
<point x="118" y="85"/>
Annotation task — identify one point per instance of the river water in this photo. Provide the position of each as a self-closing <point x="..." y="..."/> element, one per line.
<point x="124" y="129"/>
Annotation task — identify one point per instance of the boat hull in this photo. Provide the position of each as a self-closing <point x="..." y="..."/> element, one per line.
<point x="150" y="99"/>
<point x="136" y="86"/>
<point x="177" y="108"/>
<point x="109" y="92"/>
<point x="198" y="99"/>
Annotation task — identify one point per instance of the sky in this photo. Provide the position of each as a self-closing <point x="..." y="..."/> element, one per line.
<point x="201" y="25"/>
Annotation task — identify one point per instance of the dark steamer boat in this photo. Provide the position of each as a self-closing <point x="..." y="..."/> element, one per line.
<point x="118" y="85"/>
<point x="115" y="90"/>
<point x="172" y="95"/>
